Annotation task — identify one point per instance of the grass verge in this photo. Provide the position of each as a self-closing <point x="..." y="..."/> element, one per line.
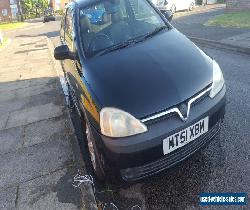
<point x="13" y="25"/>
<point x="234" y="20"/>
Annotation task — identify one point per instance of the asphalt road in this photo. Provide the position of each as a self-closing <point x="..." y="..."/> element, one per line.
<point x="223" y="166"/>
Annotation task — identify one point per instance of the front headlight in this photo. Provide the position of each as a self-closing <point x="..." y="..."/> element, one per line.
<point x="117" y="123"/>
<point x="218" y="80"/>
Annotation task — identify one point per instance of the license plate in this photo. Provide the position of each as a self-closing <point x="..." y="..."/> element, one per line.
<point x="185" y="136"/>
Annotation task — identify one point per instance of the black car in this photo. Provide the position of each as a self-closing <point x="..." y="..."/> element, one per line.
<point x="148" y="96"/>
<point x="49" y="15"/>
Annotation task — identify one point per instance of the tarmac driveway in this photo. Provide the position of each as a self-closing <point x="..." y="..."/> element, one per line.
<point x="193" y="25"/>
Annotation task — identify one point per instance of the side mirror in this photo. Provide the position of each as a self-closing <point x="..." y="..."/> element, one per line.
<point x="62" y="52"/>
<point x="168" y="15"/>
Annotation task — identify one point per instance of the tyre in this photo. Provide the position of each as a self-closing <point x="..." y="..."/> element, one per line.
<point x="191" y="7"/>
<point x="97" y="161"/>
<point x="173" y="9"/>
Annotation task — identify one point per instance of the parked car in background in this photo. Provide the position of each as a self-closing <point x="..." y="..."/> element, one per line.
<point x="174" y="5"/>
<point x="49" y="15"/>
<point x="148" y="97"/>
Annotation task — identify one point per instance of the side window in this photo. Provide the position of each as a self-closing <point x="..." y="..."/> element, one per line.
<point x="144" y="12"/>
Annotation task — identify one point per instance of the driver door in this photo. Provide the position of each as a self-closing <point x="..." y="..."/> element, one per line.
<point x="72" y="68"/>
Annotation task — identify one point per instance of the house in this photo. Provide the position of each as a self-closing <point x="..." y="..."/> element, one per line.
<point x="237" y="5"/>
<point x="8" y="10"/>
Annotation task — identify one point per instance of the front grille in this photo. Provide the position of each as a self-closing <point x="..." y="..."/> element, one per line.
<point x="136" y="173"/>
<point x="165" y="114"/>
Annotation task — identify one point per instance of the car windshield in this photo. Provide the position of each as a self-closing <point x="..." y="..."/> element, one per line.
<point x="113" y="24"/>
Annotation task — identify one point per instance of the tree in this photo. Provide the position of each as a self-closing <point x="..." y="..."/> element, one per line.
<point x="31" y="8"/>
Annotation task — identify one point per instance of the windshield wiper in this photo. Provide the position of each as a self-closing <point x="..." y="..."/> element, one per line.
<point x="117" y="47"/>
<point x="131" y="41"/>
<point x="156" y="31"/>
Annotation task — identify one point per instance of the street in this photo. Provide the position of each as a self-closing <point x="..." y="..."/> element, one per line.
<point x="222" y="166"/>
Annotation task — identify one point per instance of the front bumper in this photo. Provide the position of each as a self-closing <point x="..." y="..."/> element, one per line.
<point x="137" y="173"/>
<point x="139" y="156"/>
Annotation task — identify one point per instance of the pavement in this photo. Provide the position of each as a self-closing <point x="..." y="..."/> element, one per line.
<point x="39" y="153"/>
<point x="238" y="43"/>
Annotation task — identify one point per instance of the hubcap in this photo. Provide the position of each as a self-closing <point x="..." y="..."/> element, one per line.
<point x="91" y="148"/>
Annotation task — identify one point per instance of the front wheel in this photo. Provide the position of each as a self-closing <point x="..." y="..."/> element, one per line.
<point x="96" y="159"/>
